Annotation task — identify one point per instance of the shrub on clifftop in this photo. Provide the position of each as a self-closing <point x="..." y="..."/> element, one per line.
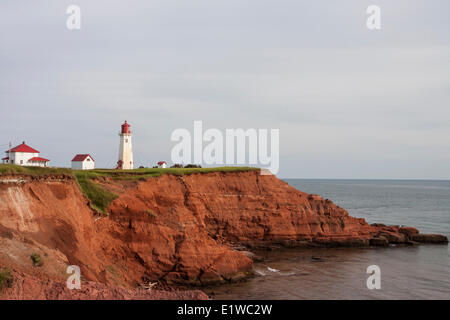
<point x="37" y="260"/>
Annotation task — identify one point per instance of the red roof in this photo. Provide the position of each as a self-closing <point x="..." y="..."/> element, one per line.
<point x="23" y="148"/>
<point x="6" y="158"/>
<point x="161" y="163"/>
<point x="126" y="127"/>
<point x="82" y="157"/>
<point x="39" y="159"/>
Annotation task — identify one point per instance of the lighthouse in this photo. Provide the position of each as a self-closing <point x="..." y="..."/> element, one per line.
<point x="125" y="149"/>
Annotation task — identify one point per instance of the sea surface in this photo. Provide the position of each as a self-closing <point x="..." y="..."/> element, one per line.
<point x="416" y="272"/>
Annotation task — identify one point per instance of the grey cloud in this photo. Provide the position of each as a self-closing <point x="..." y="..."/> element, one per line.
<point x="349" y="103"/>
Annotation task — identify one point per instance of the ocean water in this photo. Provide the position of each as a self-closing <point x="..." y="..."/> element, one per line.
<point x="416" y="272"/>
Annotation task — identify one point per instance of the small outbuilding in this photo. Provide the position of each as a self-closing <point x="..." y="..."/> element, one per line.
<point x="83" y="162"/>
<point x="162" y="164"/>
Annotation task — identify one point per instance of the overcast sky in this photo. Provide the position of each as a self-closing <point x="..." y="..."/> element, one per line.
<point x="349" y="102"/>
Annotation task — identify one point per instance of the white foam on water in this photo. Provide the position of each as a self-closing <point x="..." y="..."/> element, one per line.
<point x="260" y="272"/>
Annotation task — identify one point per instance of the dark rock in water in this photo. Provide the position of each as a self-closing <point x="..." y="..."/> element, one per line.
<point x="379" y="242"/>
<point x="317" y="259"/>
<point x="253" y="256"/>
<point x="412" y="243"/>
<point x="429" y="238"/>
<point x="408" y="231"/>
<point x="392" y="236"/>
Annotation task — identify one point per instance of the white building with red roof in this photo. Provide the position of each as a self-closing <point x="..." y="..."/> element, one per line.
<point x="162" y="164"/>
<point x="83" y="162"/>
<point x="24" y="155"/>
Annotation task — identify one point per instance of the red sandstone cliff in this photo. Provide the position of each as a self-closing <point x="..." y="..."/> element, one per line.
<point x="172" y="229"/>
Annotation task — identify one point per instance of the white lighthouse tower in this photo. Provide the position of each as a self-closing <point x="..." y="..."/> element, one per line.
<point x="125" y="149"/>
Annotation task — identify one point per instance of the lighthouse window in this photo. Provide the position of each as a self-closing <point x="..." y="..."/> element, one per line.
<point x="126" y="140"/>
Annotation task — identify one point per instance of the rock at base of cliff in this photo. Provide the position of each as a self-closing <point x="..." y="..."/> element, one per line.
<point x="379" y="242"/>
<point x="409" y="231"/>
<point x="429" y="238"/>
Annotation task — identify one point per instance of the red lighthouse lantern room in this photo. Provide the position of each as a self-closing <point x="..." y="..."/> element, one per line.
<point x="126" y="127"/>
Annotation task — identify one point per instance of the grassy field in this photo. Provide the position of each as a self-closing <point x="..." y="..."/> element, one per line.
<point x="100" y="198"/>
<point x="6" y="169"/>
<point x="156" y="172"/>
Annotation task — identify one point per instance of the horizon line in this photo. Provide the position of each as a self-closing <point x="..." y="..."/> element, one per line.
<point x="380" y="179"/>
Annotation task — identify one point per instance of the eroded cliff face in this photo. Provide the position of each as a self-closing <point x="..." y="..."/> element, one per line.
<point x="181" y="228"/>
<point x="172" y="229"/>
<point x="51" y="217"/>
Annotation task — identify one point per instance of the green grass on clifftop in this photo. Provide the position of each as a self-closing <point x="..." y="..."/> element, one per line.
<point x="157" y="172"/>
<point x="6" y="169"/>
